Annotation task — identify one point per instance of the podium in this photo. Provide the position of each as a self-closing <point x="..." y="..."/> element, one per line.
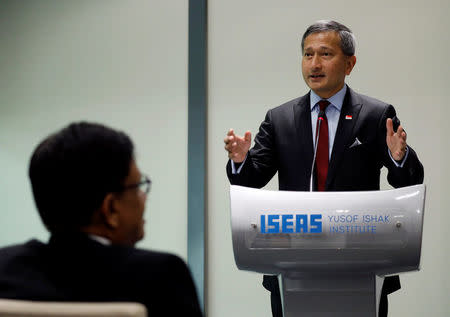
<point x="331" y="250"/>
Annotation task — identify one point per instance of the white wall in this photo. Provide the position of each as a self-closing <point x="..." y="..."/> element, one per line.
<point x="254" y="65"/>
<point x="121" y="63"/>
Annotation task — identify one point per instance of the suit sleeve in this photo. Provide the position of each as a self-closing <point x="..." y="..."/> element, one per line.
<point x="261" y="163"/>
<point x="412" y="171"/>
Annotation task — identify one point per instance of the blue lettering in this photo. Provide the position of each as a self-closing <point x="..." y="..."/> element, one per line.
<point x="290" y="223"/>
<point x="301" y="223"/>
<point x="273" y="224"/>
<point x="263" y="224"/>
<point x="376" y="218"/>
<point x="316" y="223"/>
<point x="286" y="224"/>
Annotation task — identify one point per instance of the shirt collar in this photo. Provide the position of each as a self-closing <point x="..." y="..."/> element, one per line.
<point x="336" y="100"/>
<point x="100" y="239"/>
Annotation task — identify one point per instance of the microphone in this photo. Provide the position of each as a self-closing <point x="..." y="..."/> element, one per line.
<point x="320" y="118"/>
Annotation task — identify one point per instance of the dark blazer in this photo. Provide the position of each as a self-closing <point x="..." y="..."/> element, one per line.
<point x="76" y="268"/>
<point x="284" y="144"/>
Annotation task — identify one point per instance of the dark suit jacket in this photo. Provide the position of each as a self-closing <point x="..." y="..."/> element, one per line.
<point x="284" y="144"/>
<point x="76" y="268"/>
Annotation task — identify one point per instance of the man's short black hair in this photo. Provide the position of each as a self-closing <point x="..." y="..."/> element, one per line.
<point x="71" y="172"/>
<point x="348" y="42"/>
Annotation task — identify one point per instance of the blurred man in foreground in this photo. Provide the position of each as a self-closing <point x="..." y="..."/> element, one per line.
<point x="91" y="196"/>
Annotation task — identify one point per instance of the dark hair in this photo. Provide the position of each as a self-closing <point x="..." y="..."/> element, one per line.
<point x="345" y="34"/>
<point x="71" y="172"/>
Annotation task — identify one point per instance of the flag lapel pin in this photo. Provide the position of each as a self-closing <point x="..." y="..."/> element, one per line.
<point x="348" y="117"/>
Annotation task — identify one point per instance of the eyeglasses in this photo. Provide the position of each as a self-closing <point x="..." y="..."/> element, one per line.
<point x="144" y="185"/>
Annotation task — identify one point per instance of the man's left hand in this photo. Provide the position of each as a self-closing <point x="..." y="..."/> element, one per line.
<point x="396" y="141"/>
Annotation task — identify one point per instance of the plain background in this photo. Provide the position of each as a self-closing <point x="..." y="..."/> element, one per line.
<point x="254" y="65"/>
<point x="120" y="63"/>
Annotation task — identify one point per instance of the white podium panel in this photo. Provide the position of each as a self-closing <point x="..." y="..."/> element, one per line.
<point x="328" y="246"/>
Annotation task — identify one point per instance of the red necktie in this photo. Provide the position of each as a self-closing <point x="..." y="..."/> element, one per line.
<point x="322" y="148"/>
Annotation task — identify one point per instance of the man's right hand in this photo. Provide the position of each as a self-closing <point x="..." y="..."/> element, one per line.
<point x="236" y="146"/>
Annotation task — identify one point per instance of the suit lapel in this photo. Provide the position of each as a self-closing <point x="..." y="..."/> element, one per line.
<point x="302" y="117"/>
<point x="350" y="109"/>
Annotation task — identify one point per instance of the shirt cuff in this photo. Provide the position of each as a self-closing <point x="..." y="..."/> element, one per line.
<point x="404" y="158"/>
<point x="233" y="166"/>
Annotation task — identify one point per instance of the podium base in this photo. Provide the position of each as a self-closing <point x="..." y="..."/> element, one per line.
<point x="325" y="295"/>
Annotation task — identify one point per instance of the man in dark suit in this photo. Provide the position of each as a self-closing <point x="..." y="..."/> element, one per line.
<point x="91" y="196"/>
<point x="362" y="135"/>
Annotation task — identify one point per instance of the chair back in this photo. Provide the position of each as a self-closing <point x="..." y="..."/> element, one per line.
<point x="23" y="308"/>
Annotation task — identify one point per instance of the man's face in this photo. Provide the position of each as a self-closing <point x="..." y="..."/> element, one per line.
<point x="324" y="65"/>
<point x="130" y="205"/>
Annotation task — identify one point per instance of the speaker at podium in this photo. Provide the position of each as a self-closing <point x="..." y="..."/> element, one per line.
<point x="331" y="250"/>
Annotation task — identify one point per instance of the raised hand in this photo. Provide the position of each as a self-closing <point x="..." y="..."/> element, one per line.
<point x="236" y="146"/>
<point x="396" y="141"/>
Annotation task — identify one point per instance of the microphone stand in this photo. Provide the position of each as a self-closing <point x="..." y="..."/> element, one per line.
<point x="319" y="119"/>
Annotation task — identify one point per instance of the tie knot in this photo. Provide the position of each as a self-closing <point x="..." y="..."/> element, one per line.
<point x="323" y="104"/>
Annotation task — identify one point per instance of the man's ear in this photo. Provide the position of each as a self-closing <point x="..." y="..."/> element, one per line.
<point x="109" y="214"/>
<point x="351" y="61"/>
